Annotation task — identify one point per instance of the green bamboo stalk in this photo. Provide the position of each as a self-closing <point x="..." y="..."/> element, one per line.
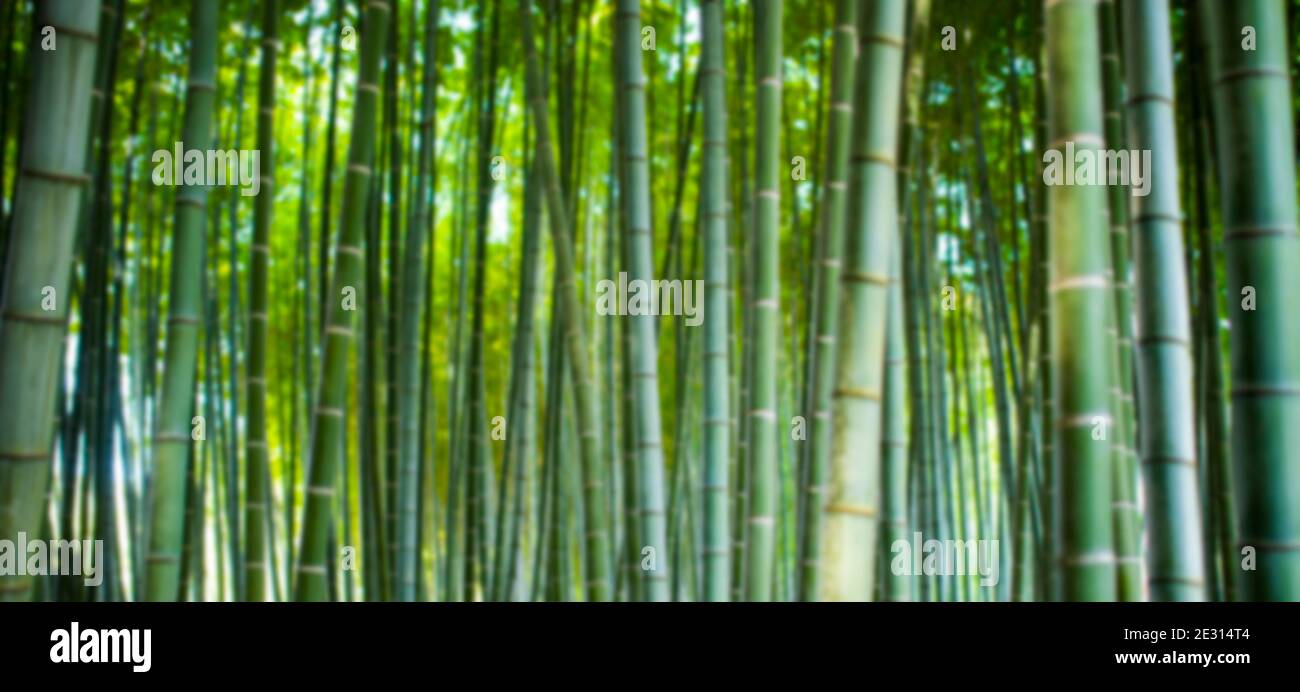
<point x="1168" y="448"/>
<point x="1022" y="561"/>
<point x="901" y="510"/>
<point x="327" y="190"/>
<point x="403" y="566"/>
<point x="459" y="265"/>
<point x="508" y="580"/>
<point x="408" y="381"/>
<point x="233" y="313"/>
<point x="148" y="269"/>
<point x="1079" y="293"/>
<point x="995" y="328"/>
<point x="1127" y="515"/>
<point x="124" y="301"/>
<point x="742" y="279"/>
<point x="546" y="565"/>
<point x="952" y="323"/>
<point x="610" y="391"/>
<point x="762" y="432"/>
<point x="172" y="437"/>
<point x="83" y="429"/>
<point x="375" y="471"/>
<point x="1048" y="550"/>
<point x="257" y="494"/>
<point x="997" y="331"/>
<point x="454" y="550"/>
<point x="228" y="368"/>
<point x="388" y="198"/>
<point x="427" y="537"/>
<point x="42" y="226"/>
<point x="821" y="347"/>
<point x="215" y="449"/>
<point x="635" y="197"/>
<point x="1019" y="174"/>
<point x="1223" y="561"/>
<point x="191" y="547"/>
<point x="597" y="537"/>
<point x="630" y="556"/>
<point x="520" y="404"/>
<point x="310" y="582"/>
<point x="98" y="422"/>
<point x="679" y="500"/>
<point x="917" y="366"/>
<point x="983" y="506"/>
<point x="918" y="363"/>
<point x="939" y="509"/>
<point x="565" y="487"/>
<point x="1025" y="532"/>
<point x="930" y="428"/>
<point x="893" y="482"/>
<point x="963" y="377"/>
<point x="717" y="348"/>
<point x="1257" y="179"/>
<point x="478" y="459"/>
<point x="848" y="545"/>
<point x="305" y="337"/>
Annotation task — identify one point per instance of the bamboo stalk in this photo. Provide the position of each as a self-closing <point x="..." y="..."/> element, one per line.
<point x="1164" y="358"/>
<point x="1079" y="290"/>
<point x="39" y="254"/>
<point x="258" y="497"/>
<point x="172" y="437"/>
<point x="1127" y="516"/>
<point x="848" y="547"/>
<point x="1255" y="140"/>
<point x="717" y="348"/>
<point x="310" y="579"/>
<point x="830" y="233"/>
<point x="597" y="553"/>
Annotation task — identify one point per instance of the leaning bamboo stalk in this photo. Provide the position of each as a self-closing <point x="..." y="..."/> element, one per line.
<point x="597" y="553"/>
<point x="311" y="576"/>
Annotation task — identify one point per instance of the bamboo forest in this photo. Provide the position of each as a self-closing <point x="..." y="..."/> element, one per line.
<point x="649" y="300"/>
